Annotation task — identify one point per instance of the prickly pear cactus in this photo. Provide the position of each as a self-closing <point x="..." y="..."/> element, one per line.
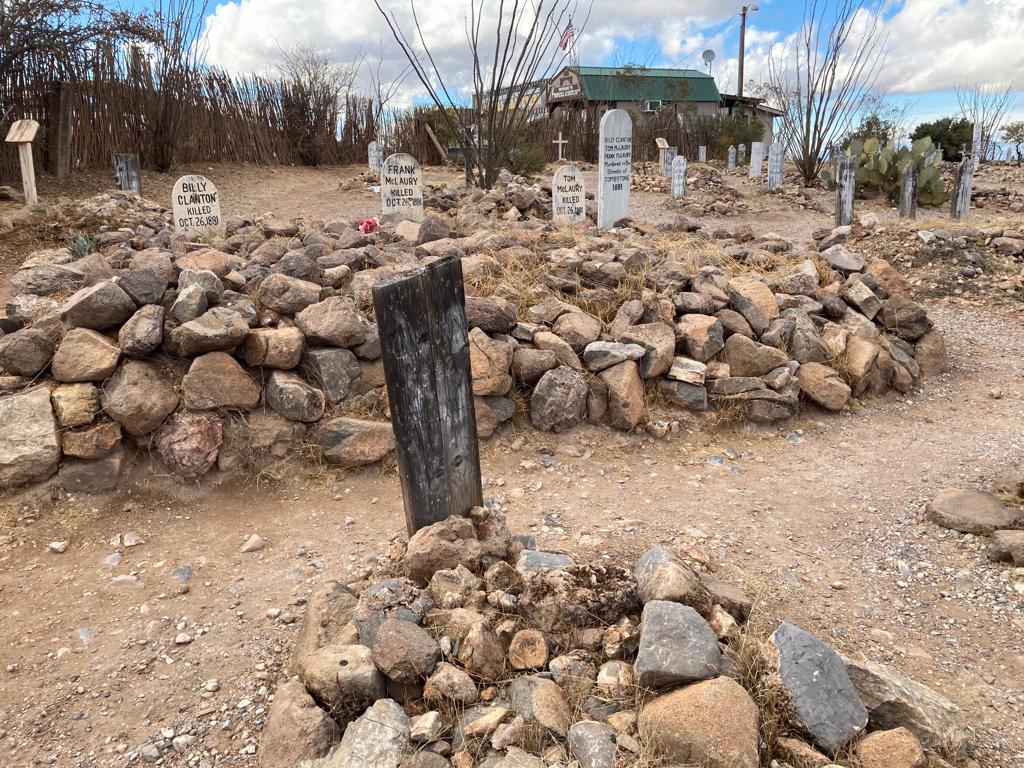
<point x="879" y="168"/>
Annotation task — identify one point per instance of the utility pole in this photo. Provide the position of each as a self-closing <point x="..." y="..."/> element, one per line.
<point x="743" y="37"/>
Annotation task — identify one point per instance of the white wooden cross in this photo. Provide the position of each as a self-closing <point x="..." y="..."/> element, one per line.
<point x="22" y="133"/>
<point x="561" y="143"/>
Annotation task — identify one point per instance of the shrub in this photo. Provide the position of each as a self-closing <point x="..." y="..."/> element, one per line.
<point x="950" y="134"/>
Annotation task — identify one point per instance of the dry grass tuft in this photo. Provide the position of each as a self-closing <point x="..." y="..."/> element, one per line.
<point x="726" y="416"/>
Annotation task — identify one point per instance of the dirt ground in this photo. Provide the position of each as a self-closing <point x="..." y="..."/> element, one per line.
<point x="822" y="519"/>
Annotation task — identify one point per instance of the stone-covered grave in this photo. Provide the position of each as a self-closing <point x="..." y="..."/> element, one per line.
<point x="260" y="346"/>
<point x="480" y="650"/>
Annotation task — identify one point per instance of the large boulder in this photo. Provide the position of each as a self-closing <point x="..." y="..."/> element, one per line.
<point x="712" y="723"/>
<point x="100" y="306"/>
<point x="354" y="442"/>
<point x="84" y="355"/>
<point x="138" y="397"/>
<point x="971" y="511"/>
<point x="676" y="646"/>
<point x="296" y="728"/>
<point x="559" y="400"/>
<point x="216" y="380"/>
<point x="188" y="443"/>
<point x="814" y="683"/>
<point x="893" y="700"/>
<point x="333" y="321"/>
<point x="29" y="443"/>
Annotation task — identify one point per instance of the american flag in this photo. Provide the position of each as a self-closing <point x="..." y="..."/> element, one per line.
<point x="567" y="36"/>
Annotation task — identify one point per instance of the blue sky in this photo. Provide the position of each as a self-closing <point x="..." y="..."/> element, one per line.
<point x="934" y="44"/>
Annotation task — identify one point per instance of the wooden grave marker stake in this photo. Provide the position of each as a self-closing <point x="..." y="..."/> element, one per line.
<point x="22" y="133"/>
<point x="845" y="183"/>
<point x="908" y="191"/>
<point x="424" y="342"/>
<point x="127" y="173"/>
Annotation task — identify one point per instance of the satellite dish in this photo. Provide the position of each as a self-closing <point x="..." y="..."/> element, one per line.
<point x="708" y="56"/>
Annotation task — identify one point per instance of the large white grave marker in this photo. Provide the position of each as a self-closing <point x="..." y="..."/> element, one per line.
<point x="614" y="167"/>
<point x="775" y="158"/>
<point x="568" y="196"/>
<point x="678" y="178"/>
<point x="730" y="159"/>
<point x="756" y="159"/>
<point x="401" y="188"/>
<point x="374" y="157"/>
<point x="195" y="202"/>
<point x="702" y="154"/>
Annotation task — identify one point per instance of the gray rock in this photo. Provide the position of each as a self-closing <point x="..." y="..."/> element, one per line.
<point x="404" y="652"/>
<point x="684" y="395"/>
<point x="824" y="701"/>
<point x="84" y="355"/>
<point x="217" y="330"/>
<point x="844" y="260"/>
<point x="860" y="297"/>
<point x="377" y="739"/>
<point x="293" y="398"/>
<point x="342" y="678"/>
<point x="92" y="475"/>
<point x="676" y="646"/>
<point x="559" y="400"/>
<point x="659" y="343"/>
<point x="660" y="575"/>
<point x="354" y="442"/>
<point x="100" y="306"/>
<point x="592" y="744"/>
<point x="29" y="351"/>
<point x="212" y="287"/>
<point x="492" y="314"/>
<point x="138" y="397"/>
<point x="296" y="728"/>
<point x="46" y="279"/>
<point x="971" y="511"/>
<point x="29" y="443"/>
<point x="336" y="371"/>
<point x="531" y="560"/>
<point x="144" y="286"/>
<point x="333" y="321"/>
<point x="599" y="355"/>
<point x="326" y="621"/>
<point x="287" y="295"/>
<point x="143" y="332"/>
<point x="540" y="701"/>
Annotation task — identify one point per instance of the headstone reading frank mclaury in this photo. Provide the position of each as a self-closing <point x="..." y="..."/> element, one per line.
<point x="196" y="206"/>
<point x="401" y="188"/>
<point x="679" y="178"/>
<point x="614" y="167"/>
<point x="374" y="156"/>
<point x="702" y="154"/>
<point x="568" y="196"/>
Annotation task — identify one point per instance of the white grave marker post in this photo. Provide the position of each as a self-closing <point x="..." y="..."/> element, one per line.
<point x="845" y="183"/>
<point x="374" y="157"/>
<point x="670" y="154"/>
<point x="679" y="178"/>
<point x="614" y="167"/>
<point x="196" y="206"/>
<point x="775" y="158"/>
<point x="742" y="154"/>
<point x="568" y="196"/>
<point x="662" y="145"/>
<point x="756" y="158"/>
<point x="730" y="161"/>
<point x="401" y="188"/>
<point x="22" y="133"/>
<point x="702" y="154"/>
<point x="561" y="143"/>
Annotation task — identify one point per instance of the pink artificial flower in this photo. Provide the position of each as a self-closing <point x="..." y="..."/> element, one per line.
<point x="369" y="226"/>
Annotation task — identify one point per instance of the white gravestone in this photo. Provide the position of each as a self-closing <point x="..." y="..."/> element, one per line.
<point x="742" y="154"/>
<point x="374" y="157"/>
<point x="614" y="167"/>
<point x="195" y="203"/>
<point x="775" y="158"/>
<point x="568" y="196"/>
<point x="756" y="158"/>
<point x="730" y="162"/>
<point x="670" y="154"/>
<point x="702" y="154"/>
<point x="401" y="188"/>
<point x="678" y="178"/>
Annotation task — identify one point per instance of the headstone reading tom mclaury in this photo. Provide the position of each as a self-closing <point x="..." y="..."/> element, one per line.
<point x="374" y="157"/>
<point x="568" y="196"/>
<point x="614" y="167"/>
<point x="678" y="178"/>
<point x="196" y="206"/>
<point x="401" y="188"/>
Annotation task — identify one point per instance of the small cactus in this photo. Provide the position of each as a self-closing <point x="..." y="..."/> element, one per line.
<point x="81" y="246"/>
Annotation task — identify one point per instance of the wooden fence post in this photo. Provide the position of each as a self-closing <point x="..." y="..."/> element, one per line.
<point x="58" y="140"/>
<point x="421" y="318"/>
<point x="845" y="183"/>
<point x="908" y="192"/>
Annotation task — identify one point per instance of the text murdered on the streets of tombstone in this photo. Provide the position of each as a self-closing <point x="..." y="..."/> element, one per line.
<point x="402" y="187"/>
<point x="618" y="154"/>
<point x="199" y="206"/>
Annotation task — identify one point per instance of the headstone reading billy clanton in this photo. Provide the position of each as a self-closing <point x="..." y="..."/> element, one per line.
<point x="374" y="157"/>
<point x="568" y="196"/>
<point x="678" y="178"/>
<point x="756" y="159"/>
<point x="401" y="188"/>
<point x="196" y="205"/>
<point x="614" y="167"/>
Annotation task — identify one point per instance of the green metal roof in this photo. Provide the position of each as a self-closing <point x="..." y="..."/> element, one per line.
<point x="643" y="84"/>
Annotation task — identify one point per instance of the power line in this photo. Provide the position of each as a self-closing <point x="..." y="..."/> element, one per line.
<point x="706" y="38"/>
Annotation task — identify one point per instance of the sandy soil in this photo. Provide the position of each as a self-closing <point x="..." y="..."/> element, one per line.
<point x="821" y="518"/>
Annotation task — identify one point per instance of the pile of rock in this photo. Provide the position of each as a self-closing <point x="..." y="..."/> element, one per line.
<point x="149" y="342"/>
<point x="980" y="513"/>
<point x="489" y="652"/>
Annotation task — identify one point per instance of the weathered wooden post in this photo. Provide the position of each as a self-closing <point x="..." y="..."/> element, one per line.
<point x="58" y="142"/>
<point x="742" y="156"/>
<point x="22" y="133"/>
<point x="421" y="318"/>
<point x="127" y="173"/>
<point x="730" y="159"/>
<point x="960" y="205"/>
<point x="908" y="191"/>
<point x="662" y="145"/>
<point x="845" y="182"/>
